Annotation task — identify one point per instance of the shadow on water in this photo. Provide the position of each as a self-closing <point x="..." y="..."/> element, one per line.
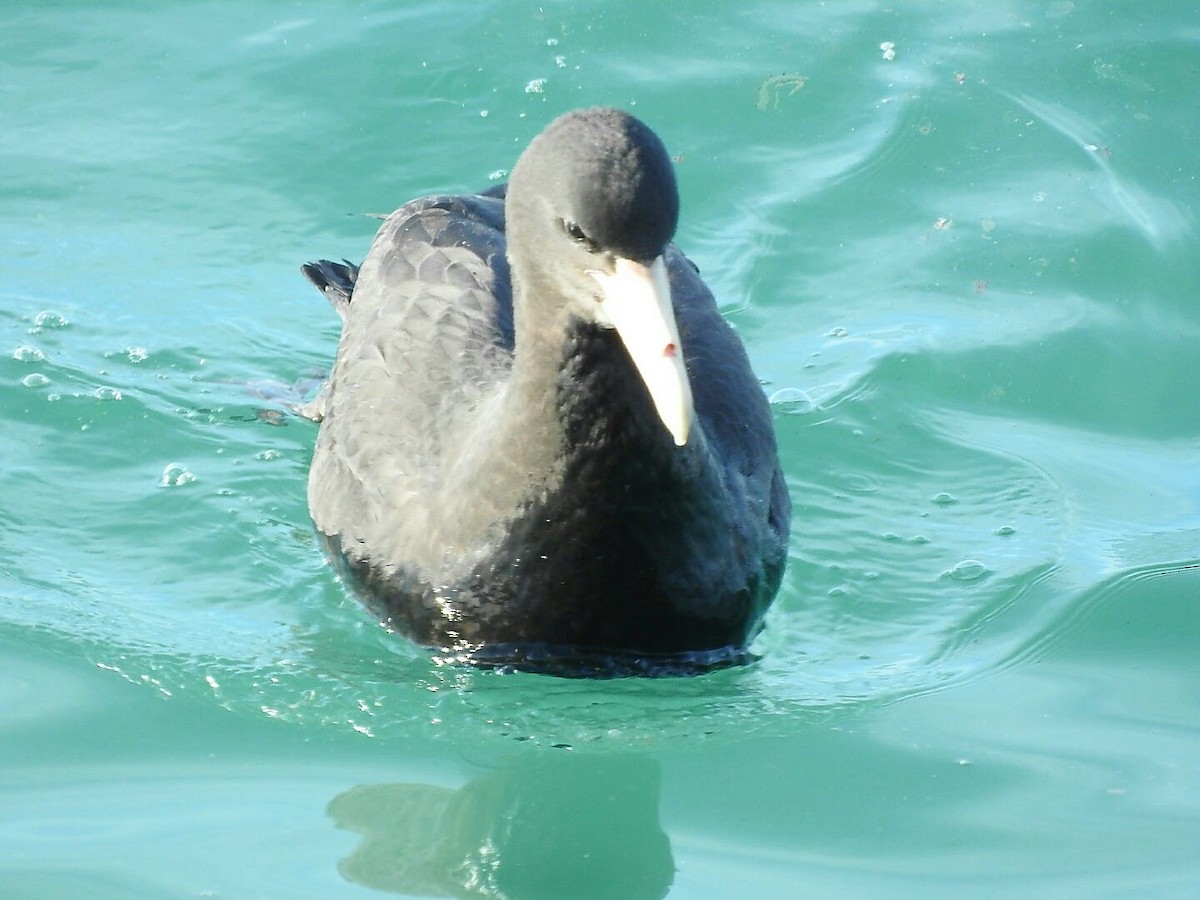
<point x="556" y="825"/>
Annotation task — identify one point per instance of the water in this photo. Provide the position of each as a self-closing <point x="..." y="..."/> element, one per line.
<point x="959" y="242"/>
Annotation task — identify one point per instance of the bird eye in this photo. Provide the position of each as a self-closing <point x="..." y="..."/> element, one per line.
<point x="577" y="234"/>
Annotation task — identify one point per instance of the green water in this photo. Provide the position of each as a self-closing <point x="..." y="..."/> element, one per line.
<point x="968" y="277"/>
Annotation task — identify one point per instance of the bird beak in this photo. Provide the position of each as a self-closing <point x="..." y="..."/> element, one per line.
<point x="637" y="303"/>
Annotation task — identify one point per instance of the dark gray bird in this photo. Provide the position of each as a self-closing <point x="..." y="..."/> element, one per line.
<point x="542" y="447"/>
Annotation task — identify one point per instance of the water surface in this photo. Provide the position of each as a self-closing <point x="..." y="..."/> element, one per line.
<point x="958" y="240"/>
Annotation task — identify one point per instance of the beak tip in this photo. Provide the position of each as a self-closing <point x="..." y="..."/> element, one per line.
<point x="681" y="432"/>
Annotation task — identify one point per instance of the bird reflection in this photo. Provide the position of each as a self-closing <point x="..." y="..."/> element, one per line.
<point x="561" y="825"/>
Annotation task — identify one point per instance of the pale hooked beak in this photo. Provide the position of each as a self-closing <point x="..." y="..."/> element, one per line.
<point x="637" y="303"/>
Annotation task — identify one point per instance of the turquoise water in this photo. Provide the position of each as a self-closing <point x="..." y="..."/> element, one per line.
<point x="959" y="241"/>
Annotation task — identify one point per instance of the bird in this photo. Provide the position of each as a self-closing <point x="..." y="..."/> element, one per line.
<point x="541" y="447"/>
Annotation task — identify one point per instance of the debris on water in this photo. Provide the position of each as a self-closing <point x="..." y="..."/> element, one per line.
<point x="770" y="91"/>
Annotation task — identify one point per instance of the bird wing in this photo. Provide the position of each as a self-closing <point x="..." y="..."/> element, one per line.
<point x="426" y="337"/>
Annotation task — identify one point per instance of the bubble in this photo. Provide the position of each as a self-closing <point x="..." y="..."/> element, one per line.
<point x="175" y="475"/>
<point x="106" y="393"/>
<point x="536" y="86"/>
<point x="136" y="354"/>
<point x="793" y="401"/>
<point x="28" y="353"/>
<point x="1005" y="530"/>
<point x="968" y="570"/>
<point x="944" y="499"/>
<point x="35" y="380"/>
<point x="49" y="318"/>
<point x="268" y="455"/>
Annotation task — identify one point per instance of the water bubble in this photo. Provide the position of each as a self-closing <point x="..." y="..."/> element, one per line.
<point x="837" y="333"/>
<point x="106" y="393"/>
<point x="498" y="175"/>
<point x="793" y="401"/>
<point x="28" y="353"/>
<point x="175" y="475"/>
<point x="968" y="570"/>
<point x="268" y="455"/>
<point x="536" y="86"/>
<point x="136" y="354"/>
<point x="35" y="380"/>
<point x="944" y="499"/>
<point x="1005" y="530"/>
<point x="49" y="318"/>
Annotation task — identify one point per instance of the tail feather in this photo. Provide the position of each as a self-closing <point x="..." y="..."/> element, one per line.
<point x="334" y="280"/>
